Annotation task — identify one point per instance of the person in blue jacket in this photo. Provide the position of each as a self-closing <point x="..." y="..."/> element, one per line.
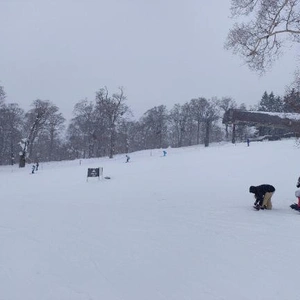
<point x="263" y="194"/>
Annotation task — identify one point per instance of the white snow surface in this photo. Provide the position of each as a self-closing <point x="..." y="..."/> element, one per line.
<point x="179" y="227"/>
<point x="291" y="116"/>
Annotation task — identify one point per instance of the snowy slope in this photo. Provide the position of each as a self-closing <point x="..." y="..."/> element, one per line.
<point x="178" y="227"/>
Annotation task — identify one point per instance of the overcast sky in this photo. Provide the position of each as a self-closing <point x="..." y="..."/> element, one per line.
<point x="160" y="51"/>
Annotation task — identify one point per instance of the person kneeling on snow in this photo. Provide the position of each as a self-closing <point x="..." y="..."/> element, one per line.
<point x="296" y="206"/>
<point x="263" y="195"/>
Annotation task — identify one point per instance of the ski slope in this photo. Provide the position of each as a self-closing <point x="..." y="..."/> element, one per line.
<point x="179" y="227"/>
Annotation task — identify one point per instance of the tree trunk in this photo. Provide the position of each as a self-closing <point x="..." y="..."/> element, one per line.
<point x="22" y="160"/>
<point x="112" y="144"/>
<point x="226" y="132"/>
<point x="51" y="145"/>
<point x="233" y="134"/>
<point x="198" y="133"/>
<point x="207" y="132"/>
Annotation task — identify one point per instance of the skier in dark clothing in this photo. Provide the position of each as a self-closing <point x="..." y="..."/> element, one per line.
<point x="263" y="194"/>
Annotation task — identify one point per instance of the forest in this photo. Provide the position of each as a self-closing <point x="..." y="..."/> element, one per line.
<point x="106" y="126"/>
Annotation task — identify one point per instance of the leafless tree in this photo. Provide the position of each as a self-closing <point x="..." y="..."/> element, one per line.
<point x="270" y="25"/>
<point x="11" y="121"/>
<point x="225" y="104"/>
<point x="178" y="122"/>
<point x="113" y="109"/>
<point x="190" y="128"/>
<point x="55" y="125"/>
<point x="197" y="107"/>
<point x="82" y="127"/>
<point x="154" y="122"/>
<point x="37" y="119"/>
<point x="210" y="115"/>
<point x="2" y="95"/>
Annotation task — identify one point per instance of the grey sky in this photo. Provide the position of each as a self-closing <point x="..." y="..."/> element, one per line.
<point x="160" y="51"/>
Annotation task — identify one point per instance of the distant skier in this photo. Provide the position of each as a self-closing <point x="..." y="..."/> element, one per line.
<point x="296" y="206"/>
<point x="33" y="169"/>
<point x="248" y="142"/>
<point x="164" y="153"/>
<point x="263" y="194"/>
<point x="127" y="158"/>
<point x="37" y="166"/>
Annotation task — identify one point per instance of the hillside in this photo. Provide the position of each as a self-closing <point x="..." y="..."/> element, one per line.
<point x="179" y="227"/>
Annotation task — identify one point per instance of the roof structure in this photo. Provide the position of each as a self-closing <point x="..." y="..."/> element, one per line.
<point x="289" y="121"/>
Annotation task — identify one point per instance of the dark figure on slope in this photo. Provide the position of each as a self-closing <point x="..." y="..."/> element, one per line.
<point x="296" y="206"/>
<point x="263" y="195"/>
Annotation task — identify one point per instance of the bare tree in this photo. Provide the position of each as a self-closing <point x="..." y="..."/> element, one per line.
<point x="154" y="122"/>
<point x="197" y="107"/>
<point x="2" y="95"/>
<point x="190" y="127"/>
<point x="10" y="131"/>
<point x="271" y="25"/>
<point x="15" y="123"/>
<point x="3" y="131"/>
<point x="37" y="118"/>
<point x="113" y="109"/>
<point x="210" y="115"/>
<point x="225" y="104"/>
<point x="82" y="127"/>
<point x="178" y="122"/>
<point x="55" y="126"/>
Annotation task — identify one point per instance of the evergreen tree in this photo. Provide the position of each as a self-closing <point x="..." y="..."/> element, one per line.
<point x="292" y="101"/>
<point x="270" y="103"/>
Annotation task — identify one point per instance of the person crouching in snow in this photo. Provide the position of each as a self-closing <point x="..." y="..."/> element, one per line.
<point x="263" y="194"/>
<point x="296" y="206"/>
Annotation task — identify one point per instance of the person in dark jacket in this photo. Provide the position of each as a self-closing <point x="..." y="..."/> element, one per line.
<point x="263" y="195"/>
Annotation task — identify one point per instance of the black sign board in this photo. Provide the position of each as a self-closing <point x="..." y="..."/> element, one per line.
<point x="95" y="172"/>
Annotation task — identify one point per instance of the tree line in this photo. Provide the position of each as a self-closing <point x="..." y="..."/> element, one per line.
<point x="105" y="126"/>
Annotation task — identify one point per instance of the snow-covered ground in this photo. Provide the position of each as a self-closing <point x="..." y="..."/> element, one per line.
<point x="179" y="227"/>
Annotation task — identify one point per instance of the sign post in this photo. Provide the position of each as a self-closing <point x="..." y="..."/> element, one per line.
<point x="95" y="172"/>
